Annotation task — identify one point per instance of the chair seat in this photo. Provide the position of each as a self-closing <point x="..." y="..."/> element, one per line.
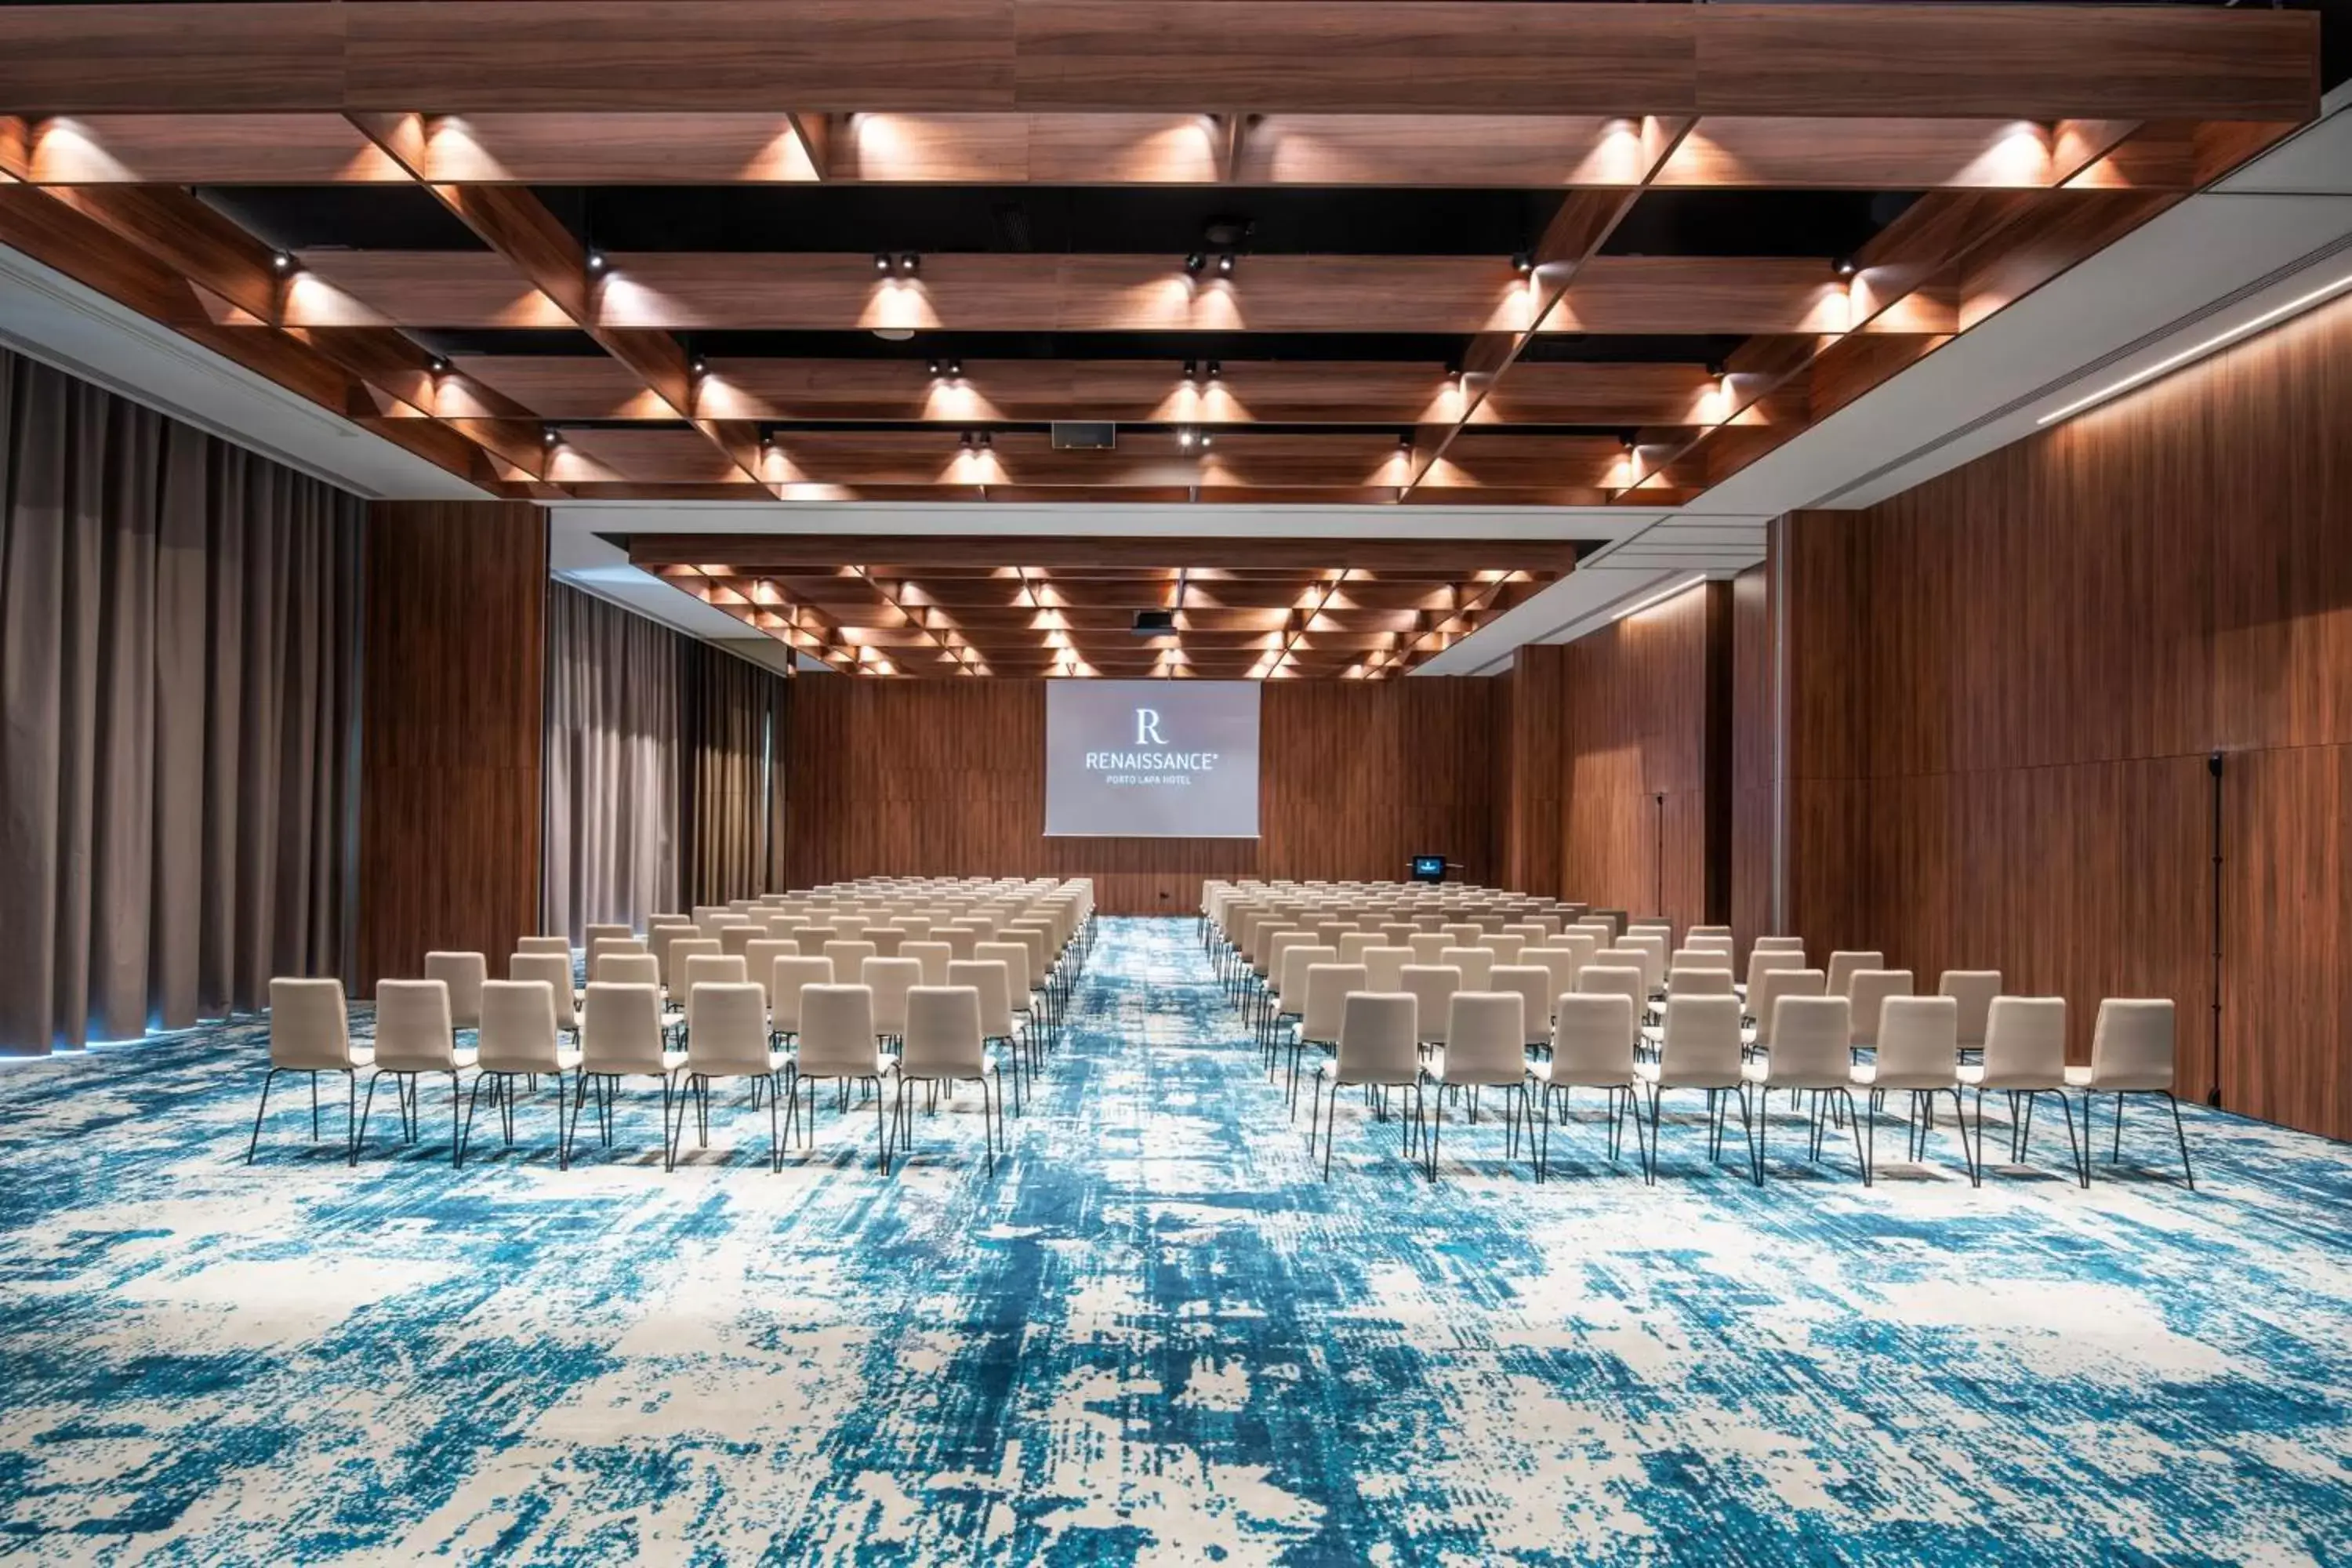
<point x="1650" y="1073"/>
<point x="1866" y="1075"/>
<point x="1437" y="1072"/>
<point x="2132" y="1083"/>
<point x="1560" y="1076"/>
<point x="566" y="1058"/>
<point x="1760" y="1072"/>
<point x="464" y="1056"/>
<point x="1973" y="1076"/>
<point x="745" y="1068"/>
<point x="670" y="1062"/>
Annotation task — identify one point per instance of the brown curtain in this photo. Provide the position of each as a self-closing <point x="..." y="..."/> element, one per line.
<point x="734" y="709"/>
<point x="178" y="701"/>
<point x="616" y="742"/>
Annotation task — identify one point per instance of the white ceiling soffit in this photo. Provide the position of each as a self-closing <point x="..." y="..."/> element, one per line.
<point x="51" y="317"/>
<point x="1592" y="523"/>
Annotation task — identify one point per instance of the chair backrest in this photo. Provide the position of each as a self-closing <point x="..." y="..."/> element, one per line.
<point x="1505" y="946"/>
<point x="1700" y="1048"/>
<point x="931" y="957"/>
<point x="1328" y="985"/>
<point x="627" y="969"/>
<point x="836" y="1034"/>
<point x="1559" y="963"/>
<point x="606" y="930"/>
<point x="1652" y="946"/>
<point x="1432" y="986"/>
<point x="1695" y="933"/>
<point x="1844" y="964"/>
<point x="1529" y="930"/>
<point x="620" y="1027"/>
<point x="1701" y="981"/>
<point x="309" y="1026"/>
<point x="2025" y="1042"/>
<point x="559" y="945"/>
<point x="1762" y="960"/>
<point x="944" y="1033"/>
<point x="961" y="941"/>
<point x="1614" y="980"/>
<point x="1354" y="945"/>
<point x="518" y="1028"/>
<point x="682" y="951"/>
<point x="555" y="968"/>
<point x="1429" y="947"/>
<point x="1015" y="956"/>
<point x="848" y="956"/>
<point x="760" y="960"/>
<point x="1592" y="1039"/>
<point x="1532" y="984"/>
<point x="413" y="1029"/>
<point x="1465" y="934"/>
<point x="1384" y="968"/>
<point x="886" y="941"/>
<point x="464" y="973"/>
<point x="600" y="948"/>
<point x="890" y="979"/>
<point x="1398" y="933"/>
<point x="1918" y="1040"/>
<point x="917" y="927"/>
<point x="1486" y="1037"/>
<point x="1779" y="982"/>
<point x="1812" y="1036"/>
<point x="2132" y="1045"/>
<point x="1477" y="965"/>
<point x="1290" y="981"/>
<point x="1868" y="990"/>
<point x="1377" y="1042"/>
<point x="713" y="969"/>
<point x="786" y="976"/>
<point x="992" y="982"/>
<point x="1974" y="990"/>
<point x="1777" y="944"/>
<point x="726" y="1029"/>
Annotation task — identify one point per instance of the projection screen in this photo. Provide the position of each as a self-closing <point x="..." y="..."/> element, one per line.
<point x="1151" y="759"/>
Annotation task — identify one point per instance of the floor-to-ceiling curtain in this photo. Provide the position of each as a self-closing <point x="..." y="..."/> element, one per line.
<point x="615" y="748"/>
<point x="178" y="661"/>
<point x="735" y="708"/>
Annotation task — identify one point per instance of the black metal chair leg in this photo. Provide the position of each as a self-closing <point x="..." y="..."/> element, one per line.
<point x="472" y="1101"/>
<point x="267" y="1078"/>
<point x="352" y="1118"/>
<point x="2180" y="1136"/>
<point x="367" y="1109"/>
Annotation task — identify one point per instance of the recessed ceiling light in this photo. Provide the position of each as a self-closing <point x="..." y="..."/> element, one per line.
<point x="955" y="367"/>
<point x="935" y="367"/>
<point x="1207" y="440"/>
<point x="696" y="366"/>
<point x="1225" y="262"/>
<point x="596" y="262"/>
<point x="910" y="263"/>
<point x="440" y="365"/>
<point x="881" y="262"/>
<point x="283" y="260"/>
<point x="549" y="437"/>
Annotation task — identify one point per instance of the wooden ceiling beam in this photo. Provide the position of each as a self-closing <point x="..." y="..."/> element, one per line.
<point x="1480" y="57"/>
<point x="516" y="225"/>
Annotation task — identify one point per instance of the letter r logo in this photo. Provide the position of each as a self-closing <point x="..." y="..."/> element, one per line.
<point x="1146" y="727"/>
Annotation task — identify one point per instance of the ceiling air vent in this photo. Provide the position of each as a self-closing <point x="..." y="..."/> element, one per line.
<point x="1155" y="623"/>
<point x="1084" y="434"/>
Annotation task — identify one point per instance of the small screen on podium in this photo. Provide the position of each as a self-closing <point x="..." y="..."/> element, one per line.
<point x="1151" y="759"/>
<point x="1429" y="867"/>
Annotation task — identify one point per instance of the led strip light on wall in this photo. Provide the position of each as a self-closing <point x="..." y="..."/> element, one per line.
<point x="2199" y="351"/>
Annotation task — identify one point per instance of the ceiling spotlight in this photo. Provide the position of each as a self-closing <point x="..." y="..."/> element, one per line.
<point x="1225" y="263"/>
<point x="596" y="262"/>
<point x="1216" y="369"/>
<point x="881" y="262"/>
<point x="1523" y="264"/>
<point x="550" y="436"/>
<point x="1207" y="440"/>
<point x="966" y="442"/>
<point x="985" y="441"/>
<point x="440" y="365"/>
<point x="1191" y="369"/>
<point x="955" y="367"/>
<point x="283" y="260"/>
<point x="1844" y="266"/>
<point x="935" y="367"/>
<point x="1185" y="439"/>
<point x="698" y="366"/>
<point x="1404" y="442"/>
<point x="909" y="263"/>
<point x="767" y="439"/>
<point x="1194" y="262"/>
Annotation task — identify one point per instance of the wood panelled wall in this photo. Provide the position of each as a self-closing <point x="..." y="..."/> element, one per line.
<point x="450" y="732"/>
<point x="2004" y="686"/>
<point x="888" y="777"/>
<point x="1754" y="795"/>
<point x="1589" y="734"/>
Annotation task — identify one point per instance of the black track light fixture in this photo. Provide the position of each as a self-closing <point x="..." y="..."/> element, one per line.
<point x="550" y="436"/>
<point x="881" y="261"/>
<point x="596" y="262"/>
<point x="1523" y="264"/>
<point x="1226" y="265"/>
<point x="440" y="365"/>
<point x="1195" y="261"/>
<point x="1845" y="266"/>
<point x="1216" y="369"/>
<point x="955" y="368"/>
<point x="282" y="260"/>
<point x="1192" y="370"/>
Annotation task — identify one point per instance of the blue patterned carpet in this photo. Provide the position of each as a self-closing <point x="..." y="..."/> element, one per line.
<point x="1155" y="1336"/>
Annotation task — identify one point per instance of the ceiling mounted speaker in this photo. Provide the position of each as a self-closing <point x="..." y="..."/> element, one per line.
<point x="1155" y="623"/>
<point x="1085" y="436"/>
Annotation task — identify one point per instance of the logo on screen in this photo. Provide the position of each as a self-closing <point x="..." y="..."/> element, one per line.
<point x="1146" y="727"/>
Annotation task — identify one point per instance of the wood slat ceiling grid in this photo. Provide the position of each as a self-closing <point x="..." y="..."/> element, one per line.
<point x="1630" y="353"/>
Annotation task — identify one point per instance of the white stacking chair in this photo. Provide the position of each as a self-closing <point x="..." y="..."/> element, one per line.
<point x="1328" y="985"/>
<point x="1617" y="980"/>
<point x="606" y="930"/>
<point x="1592" y="1047"/>
<point x="605" y="947"/>
<point x="726" y="1037"/>
<point x="759" y="960"/>
<point x="1354" y="945"/>
<point x="2131" y="1053"/>
<point x="837" y="1044"/>
<point x="849" y="958"/>
<point x="1560" y="966"/>
<point x="559" y="945"/>
<point x="1432" y="987"/>
<point x="627" y="969"/>
<point x="1704" y="980"/>
<point x="311" y="1033"/>
<point x="1810" y="1055"/>
<point x="1377" y="1050"/>
<point x="683" y="952"/>
<point x="415" y="1036"/>
<point x="991" y="981"/>
<point x="1699" y="1049"/>
<point x="890" y="979"/>
<point x="1795" y="944"/>
<point x="1505" y="946"/>
<point x="944" y="1045"/>
<point x="706" y="969"/>
<point x="933" y="957"/>
<point x="464" y="973"/>
<point x="1918" y="1055"/>
<point x="1476" y="963"/>
<point x="1845" y="963"/>
<point x="1015" y="958"/>
<point x="1384" y="967"/>
<point x="885" y="941"/>
<point x="1868" y="990"/>
<point x="786" y="976"/>
<point x="1532" y="984"/>
<point x="556" y="970"/>
<point x="1764" y="959"/>
<point x="2025" y="1057"/>
<point x="1428" y="947"/>
<point x="1776" y="983"/>
<point x="620" y="1037"/>
<point x="1486" y="1046"/>
<point x="518" y="1039"/>
<point x="1974" y="990"/>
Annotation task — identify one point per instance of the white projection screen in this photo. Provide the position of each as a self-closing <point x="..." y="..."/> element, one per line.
<point x="1151" y="759"/>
